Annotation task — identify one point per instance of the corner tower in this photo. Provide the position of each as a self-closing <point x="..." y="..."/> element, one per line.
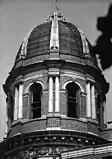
<point x="55" y="93"/>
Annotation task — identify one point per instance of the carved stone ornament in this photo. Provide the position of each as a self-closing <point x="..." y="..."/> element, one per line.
<point x="36" y="152"/>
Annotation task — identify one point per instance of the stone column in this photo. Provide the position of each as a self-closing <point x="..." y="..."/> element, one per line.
<point x="88" y="108"/>
<point x="50" y="108"/>
<point x="16" y="103"/>
<point x="93" y="102"/>
<point x="63" y="102"/>
<point x="26" y="106"/>
<point x="20" y="109"/>
<point x="44" y="105"/>
<point x="105" y="113"/>
<point x="57" y="94"/>
<point x="83" y="105"/>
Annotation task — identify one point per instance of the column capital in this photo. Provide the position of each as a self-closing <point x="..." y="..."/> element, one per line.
<point x="89" y="80"/>
<point x="54" y="71"/>
<point x="18" y="83"/>
<point x="25" y="94"/>
<point x="83" y="94"/>
<point x="21" y="82"/>
<point x="54" y="76"/>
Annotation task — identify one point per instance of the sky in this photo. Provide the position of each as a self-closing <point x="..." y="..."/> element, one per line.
<point x="18" y="17"/>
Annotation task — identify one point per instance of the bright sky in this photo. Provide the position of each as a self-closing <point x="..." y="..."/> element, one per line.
<point x="17" y="17"/>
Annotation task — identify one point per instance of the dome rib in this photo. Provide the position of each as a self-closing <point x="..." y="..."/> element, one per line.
<point x="84" y="42"/>
<point x="54" y="37"/>
<point x="23" y="52"/>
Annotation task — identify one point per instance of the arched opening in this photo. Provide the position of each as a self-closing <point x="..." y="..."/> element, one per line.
<point x="98" y="104"/>
<point x="10" y="110"/>
<point x="73" y="100"/>
<point x="35" y="100"/>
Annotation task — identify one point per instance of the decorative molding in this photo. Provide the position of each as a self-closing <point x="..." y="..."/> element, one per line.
<point x="73" y="75"/>
<point x="54" y="39"/>
<point x="33" y="77"/>
<point x="70" y="81"/>
<point x="34" y="81"/>
<point x="53" y="138"/>
<point x="85" y="43"/>
<point x="53" y="128"/>
<point x="54" y="71"/>
<point x="87" y="151"/>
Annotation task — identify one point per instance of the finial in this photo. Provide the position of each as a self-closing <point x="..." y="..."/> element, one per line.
<point x="56" y="6"/>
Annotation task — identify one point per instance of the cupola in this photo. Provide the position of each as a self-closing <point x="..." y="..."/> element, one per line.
<point x="55" y="91"/>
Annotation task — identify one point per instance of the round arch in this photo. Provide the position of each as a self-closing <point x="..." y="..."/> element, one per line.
<point x="38" y="82"/>
<point x="35" y="99"/>
<point x="70" y="81"/>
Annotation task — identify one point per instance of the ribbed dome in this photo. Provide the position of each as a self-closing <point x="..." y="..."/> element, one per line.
<point x="70" y="39"/>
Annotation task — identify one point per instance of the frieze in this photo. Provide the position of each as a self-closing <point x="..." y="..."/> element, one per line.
<point x="36" y="152"/>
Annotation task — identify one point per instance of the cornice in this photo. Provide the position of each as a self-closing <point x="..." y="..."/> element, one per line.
<point x="46" y="138"/>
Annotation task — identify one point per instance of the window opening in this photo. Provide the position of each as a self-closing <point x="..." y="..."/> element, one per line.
<point x="73" y="99"/>
<point x="98" y="103"/>
<point x="12" y="107"/>
<point x="36" y="92"/>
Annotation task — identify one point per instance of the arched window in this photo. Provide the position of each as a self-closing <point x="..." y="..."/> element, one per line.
<point x="98" y="104"/>
<point x="10" y="110"/>
<point x="35" y="100"/>
<point x="73" y="100"/>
